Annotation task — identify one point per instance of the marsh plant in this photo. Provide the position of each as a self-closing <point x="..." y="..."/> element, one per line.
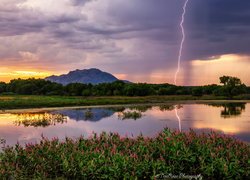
<point x="110" y="156"/>
<point x="2" y="141"/>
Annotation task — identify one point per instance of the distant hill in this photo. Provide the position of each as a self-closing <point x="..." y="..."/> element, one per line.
<point x="85" y="76"/>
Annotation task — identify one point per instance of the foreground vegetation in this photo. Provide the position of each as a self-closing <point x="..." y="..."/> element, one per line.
<point x="21" y="102"/>
<point x="211" y="155"/>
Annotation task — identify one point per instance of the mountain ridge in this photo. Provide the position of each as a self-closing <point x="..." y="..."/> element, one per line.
<point x="85" y="76"/>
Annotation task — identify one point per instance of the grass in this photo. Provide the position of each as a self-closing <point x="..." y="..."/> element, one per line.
<point x="21" y="102"/>
<point x="109" y="156"/>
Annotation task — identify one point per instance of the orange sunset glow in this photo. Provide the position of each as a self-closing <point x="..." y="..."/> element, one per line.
<point x="7" y="76"/>
<point x="201" y="72"/>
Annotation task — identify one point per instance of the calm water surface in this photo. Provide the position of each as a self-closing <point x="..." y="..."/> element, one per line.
<point x="231" y="118"/>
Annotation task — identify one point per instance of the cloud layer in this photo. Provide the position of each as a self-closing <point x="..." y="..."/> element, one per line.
<point x="136" y="37"/>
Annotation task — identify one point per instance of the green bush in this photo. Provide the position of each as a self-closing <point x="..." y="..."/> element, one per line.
<point x="197" y="91"/>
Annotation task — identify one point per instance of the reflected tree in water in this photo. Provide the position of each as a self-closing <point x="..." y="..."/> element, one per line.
<point x="130" y="115"/>
<point x="117" y="109"/>
<point x="138" y="108"/>
<point x="168" y="107"/>
<point x="231" y="109"/>
<point x="141" y="108"/>
<point x="133" y="112"/>
<point x="39" y="119"/>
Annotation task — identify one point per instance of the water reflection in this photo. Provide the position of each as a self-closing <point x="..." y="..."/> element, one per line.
<point x="93" y="114"/>
<point x="136" y="112"/>
<point x="178" y="117"/>
<point x="124" y="113"/>
<point x="129" y="115"/>
<point x="39" y="119"/>
<point x="141" y="108"/>
<point x="175" y="108"/>
<point x="130" y="121"/>
<point x="168" y="107"/>
<point x="231" y="109"/>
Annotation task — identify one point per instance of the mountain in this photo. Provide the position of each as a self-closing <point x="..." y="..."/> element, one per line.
<point x="80" y="114"/>
<point x="86" y="76"/>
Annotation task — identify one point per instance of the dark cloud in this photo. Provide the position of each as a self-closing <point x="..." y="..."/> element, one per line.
<point x="80" y="2"/>
<point x="114" y="33"/>
<point x="217" y="27"/>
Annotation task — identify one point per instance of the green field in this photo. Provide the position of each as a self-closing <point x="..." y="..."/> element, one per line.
<point x="13" y="102"/>
<point x="21" y="102"/>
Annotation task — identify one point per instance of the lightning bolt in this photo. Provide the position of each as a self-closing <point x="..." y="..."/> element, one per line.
<point x="182" y="40"/>
<point x="180" y="55"/>
<point x="178" y="117"/>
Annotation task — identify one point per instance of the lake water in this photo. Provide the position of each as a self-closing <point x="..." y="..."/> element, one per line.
<point x="230" y="118"/>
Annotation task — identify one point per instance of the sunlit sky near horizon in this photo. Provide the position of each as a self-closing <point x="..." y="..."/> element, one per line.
<point x="136" y="40"/>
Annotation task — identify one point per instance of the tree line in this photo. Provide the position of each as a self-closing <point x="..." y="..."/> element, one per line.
<point x="232" y="86"/>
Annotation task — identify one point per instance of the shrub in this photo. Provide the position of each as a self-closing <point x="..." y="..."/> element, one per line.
<point x="197" y="91"/>
<point x="110" y="156"/>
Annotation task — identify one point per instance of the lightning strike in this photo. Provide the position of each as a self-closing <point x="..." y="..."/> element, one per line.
<point x="182" y="41"/>
<point x="180" y="55"/>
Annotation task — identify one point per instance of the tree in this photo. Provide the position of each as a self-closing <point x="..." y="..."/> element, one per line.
<point x="210" y="89"/>
<point x="75" y="89"/>
<point x="232" y="86"/>
<point x="230" y="81"/>
<point x="197" y="91"/>
<point x="3" y="86"/>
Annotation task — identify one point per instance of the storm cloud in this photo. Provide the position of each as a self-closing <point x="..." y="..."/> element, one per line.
<point x="132" y="36"/>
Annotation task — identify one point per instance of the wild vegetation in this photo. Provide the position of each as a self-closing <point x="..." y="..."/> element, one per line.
<point x="211" y="155"/>
<point x="232" y="86"/>
<point x="34" y="101"/>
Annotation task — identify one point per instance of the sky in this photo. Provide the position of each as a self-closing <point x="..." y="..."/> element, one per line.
<point x="136" y="40"/>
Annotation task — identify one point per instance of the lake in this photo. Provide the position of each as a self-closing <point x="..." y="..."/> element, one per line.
<point x="28" y="126"/>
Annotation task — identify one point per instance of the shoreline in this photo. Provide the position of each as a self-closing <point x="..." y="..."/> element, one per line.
<point x="170" y="102"/>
